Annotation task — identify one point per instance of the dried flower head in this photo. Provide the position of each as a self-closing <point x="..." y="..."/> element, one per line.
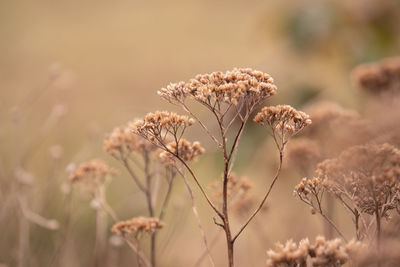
<point x="378" y="78"/>
<point x="230" y="87"/>
<point x="322" y="253"/>
<point x="308" y="188"/>
<point x="186" y="151"/>
<point x="304" y="153"/>
<point x="327" y="117"/>
<point x="342" y="127"/>
<point x="284" y="122"/>
<point x="157" y="127"/>
<point x="240" y="193"/>
<point x="388" y="254"/>
<point x="368" y="175"/>
<point x="94" y="171"/>
<point x="122" y="142"/>
<point x="289" y="254"/>
<point x="134" y="227"/>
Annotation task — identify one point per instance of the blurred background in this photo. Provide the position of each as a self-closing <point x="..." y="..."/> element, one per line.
<point x="71" y="71"/>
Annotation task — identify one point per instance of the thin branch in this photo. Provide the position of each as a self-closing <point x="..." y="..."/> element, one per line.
<point x="264" y="199"/>
<point x="202" y="125"/>
<point x="137" y="252"/>
<point x="196" y="214"/>
<point x="212" y="243"/>
<point x="133" y="175"/>
<point x="166" y="199"/>
<point x="198" y="184"/>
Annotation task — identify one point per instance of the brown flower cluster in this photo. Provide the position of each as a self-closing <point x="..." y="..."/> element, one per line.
<point x="186" y="151"/>
<point x="304" y="153"/>
<point x="157" y="127"/>
<point x="284" y="121"/>
<point x="380" y="77"/>
<point x="308" y="188"/>
<point x="122" y="142"/>
<point x="136" y="226"/>
<point x="241" y="196"/>
<point x="388" y="255"/>
<point x="94" y="171"/>
<point x="327" y="117"/>
<point x="368" y="175"/>
<point x="322" y="253"/>
<point x="230" y="87"/>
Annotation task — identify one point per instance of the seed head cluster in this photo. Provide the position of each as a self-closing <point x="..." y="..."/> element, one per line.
<point x="304" y="153"/>
<point x="156" y="127"/>
<point x="380" y="77"/>
<point x="322" y="253"/>
<point x="93" y="171"/>
<point x="185" y="150"/>
<point x="368" y="175"/>
<point x="240" y="193"/>
<point x="122" y="142"/>
<point x="230" y="87"/>
<point x="284" y="121"/>
<point x="134" y="227"/>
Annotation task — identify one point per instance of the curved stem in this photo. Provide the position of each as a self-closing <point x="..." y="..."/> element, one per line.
<point x="264" y="199"/>
<point x="199" y="185"/>
<point x="196" y="215"/>
<point x="133" y="175"/>
<point x="138" y="253"/>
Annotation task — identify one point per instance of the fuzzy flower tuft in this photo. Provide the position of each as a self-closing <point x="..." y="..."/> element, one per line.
<point x="283" y="120"/>
<point x="134" y="227"/>
<point x="156" y="127"/>
<point x="186" y="151"/>
<point x="230" y="87"/>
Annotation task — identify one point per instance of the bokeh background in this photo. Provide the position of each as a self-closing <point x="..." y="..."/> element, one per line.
<point x="70" y="71"/>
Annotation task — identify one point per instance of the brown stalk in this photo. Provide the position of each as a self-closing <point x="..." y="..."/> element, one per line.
<point x="265" y="197"/>
<point x="196" y="215"/>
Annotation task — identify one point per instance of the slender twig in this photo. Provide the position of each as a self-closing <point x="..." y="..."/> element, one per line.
<point x="202" y="125"/>
<point x="138" y="252"/>
<point x="133" y="175"/>
<point x="199" y="185"/>
<point x="264" y="199"/>
<point x="213" y="242"/>
<point x="196" y="215"/>
<point x="166" y="199"/>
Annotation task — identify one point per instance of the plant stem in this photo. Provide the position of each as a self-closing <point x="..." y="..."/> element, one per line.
<point x="265" y="197"/>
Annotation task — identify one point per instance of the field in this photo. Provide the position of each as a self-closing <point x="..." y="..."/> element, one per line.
<point x="281" y="147"/>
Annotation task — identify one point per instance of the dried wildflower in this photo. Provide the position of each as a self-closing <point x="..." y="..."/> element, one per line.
<point x="230" y="87"/>
<point x="289" y="254"/>
<point x="156" y="127"/>
<point x="322" y="253"/>
<point x="388" y="254"/>
<point x="94" y="171"/>
<point x="342" y="127"/>
<point x="378" y="78"/>
<point x="304" y="153"/>
<point x="122" y="142"/>
<point x="284" y="122"/>
<point x="239" y="191"/>
<point x="368" y="175"/>
<point x="308" y="187"/>
<point x="186" y="151"/>
<point x="136" y="226"/>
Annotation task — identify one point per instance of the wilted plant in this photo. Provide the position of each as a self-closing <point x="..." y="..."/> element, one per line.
<point x="323" y="253"/>
<point x="134" y="229"/>
<point x="379" y="78"/>
<point x="135" y="153"/>
<point x="93" y="177"/>
<point x="364" y="179"/>
<point x="231" y="98"/>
